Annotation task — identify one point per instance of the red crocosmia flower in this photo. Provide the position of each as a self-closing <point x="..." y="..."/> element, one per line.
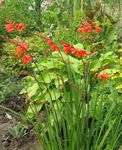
<point x="50" y="42"/>
<point x="9" y="27"/>
<point x="85" y="29"/>
<point x="89" y="28"/>
<point x="97" y="28"/>
<point x="67" y="48"/>
<point x="81" y="53"/>
<point x="76" y="53"/>
<point x="55" y="48"/>
<point x="26" y="59"/>
<point x="104" y="76"/>
<point x="20" y="26"/>
<point x="19" y="51"/>
<point x="66" y="44"/>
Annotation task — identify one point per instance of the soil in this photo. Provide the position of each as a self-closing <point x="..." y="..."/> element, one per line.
<point x="7" y="141"/>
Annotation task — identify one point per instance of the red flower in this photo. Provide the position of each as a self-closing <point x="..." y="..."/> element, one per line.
<point x="55" y="48"/>
<point x="104" y="76"/>
<point x="26" y="59"/>
<point x="66" y="44"/>
<point x="81" y="53"/>
<point x="20" y="26"/>
<point x="50" y="42"/>
<point x="9" y="27"/>
<point x="86" y="28"/>
<point x="89" y="28"/>
<point x="97" y="28"/>
<point x="78" y="53"/>
<point x="19" y="51"/>
<point x="68" y="48"/>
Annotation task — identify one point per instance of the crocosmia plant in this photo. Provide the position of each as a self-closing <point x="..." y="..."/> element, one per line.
<point x="71" y="77"/>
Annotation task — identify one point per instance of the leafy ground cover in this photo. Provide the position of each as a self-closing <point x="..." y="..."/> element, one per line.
<point x="61" y="66"/>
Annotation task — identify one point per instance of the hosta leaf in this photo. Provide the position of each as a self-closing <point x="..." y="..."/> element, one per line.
<point x="32" y="90"/>
<point x="54" y="93"/>
<point x="33" y="109"/>
<point x="79" y="46"/>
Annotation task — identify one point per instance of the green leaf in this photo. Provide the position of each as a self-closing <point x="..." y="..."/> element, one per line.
<point x="32" y="90"/>
<point x="79" y="46"/>
<point x="95" y="65"/>
<point x="48" y="77"/>
<point x="54" y="94"/>
<point x="105" y="56"/>
<point x="33" y="109"/>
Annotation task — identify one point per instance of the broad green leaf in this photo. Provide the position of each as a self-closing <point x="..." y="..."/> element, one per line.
<point x="33" y="109"/>
<point x="106" y="55"/>
<point x="54" y="94"/>
<point x="79" y="46"/>
<point x="32" y="90"/>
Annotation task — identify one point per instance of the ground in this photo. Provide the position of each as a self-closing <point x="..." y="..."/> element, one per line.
<point x="7" y="142"/>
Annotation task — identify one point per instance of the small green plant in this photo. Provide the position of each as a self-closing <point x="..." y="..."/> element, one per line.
<point x="18" y="131"/>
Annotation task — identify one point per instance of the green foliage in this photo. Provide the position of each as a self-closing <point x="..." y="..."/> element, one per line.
<point x="80" y="110"/>
<point x="16" y="11"/>
<point x="18" y="131"/>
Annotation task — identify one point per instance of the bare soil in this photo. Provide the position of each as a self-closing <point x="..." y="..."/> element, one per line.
<point x="7" y="142"/>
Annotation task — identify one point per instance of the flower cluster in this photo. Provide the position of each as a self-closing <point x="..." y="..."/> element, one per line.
<point x="69" y="49"/>
<point x="103" y="76"/>
<point x="54" y="47"/>
<point x="22" y="51"/>
<point x="25" y="58"/>
<point x="89" y="28"/>
<point x="12" y="26"/>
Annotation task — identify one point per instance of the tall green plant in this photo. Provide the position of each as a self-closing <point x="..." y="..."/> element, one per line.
<point x="73" y="87"/>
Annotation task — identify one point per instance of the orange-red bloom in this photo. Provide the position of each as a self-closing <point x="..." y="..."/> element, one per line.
<point x="19" y="51"/>
<point x="50" y="42"/>
<point x="21" y="47"/>
<point x="26" y="59"/>
<point x="97" y="28"/>
<point x="86" y="28"/>
<point x="20" y="26"/>
<point x="81" y="53"/>
<point x="104" y="76"/>
<point x="89" y="28"/>
<point x="55" y="48"/>
<point x="9" y="27"/>
<point x="68" y="48"/>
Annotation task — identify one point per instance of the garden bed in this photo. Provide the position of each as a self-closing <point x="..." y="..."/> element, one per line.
<point x="7" y="141"/>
